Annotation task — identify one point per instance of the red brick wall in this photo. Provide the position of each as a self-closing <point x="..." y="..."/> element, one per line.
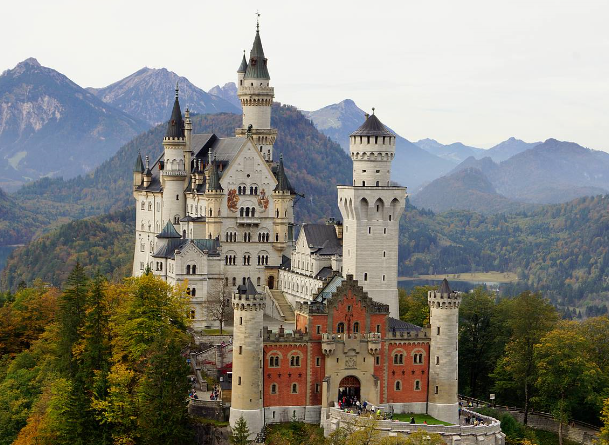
<point x="285" y="375"/>
<point x="317" y="373"/>
<point x="318" y="320"/>
<point x="357" y="313"/>
<point x="407" y="373"/>
<point x="302" y="323"/>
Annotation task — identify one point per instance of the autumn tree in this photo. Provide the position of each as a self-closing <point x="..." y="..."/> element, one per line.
<point x="603" y="438"/>
<point x="219" y="306"/>
<point x="413" y="305"/>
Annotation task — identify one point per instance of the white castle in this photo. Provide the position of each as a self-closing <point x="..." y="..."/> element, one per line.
<point x="219" y="211"/>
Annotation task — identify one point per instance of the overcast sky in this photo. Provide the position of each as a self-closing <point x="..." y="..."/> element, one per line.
<point x="476" y="72"/>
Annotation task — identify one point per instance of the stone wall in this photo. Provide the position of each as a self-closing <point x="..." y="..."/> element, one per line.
<point x="333" y="418"/>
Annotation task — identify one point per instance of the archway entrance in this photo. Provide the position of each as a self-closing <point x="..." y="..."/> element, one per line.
<point x="271" y="282"/>
<point x="349" y="390"/>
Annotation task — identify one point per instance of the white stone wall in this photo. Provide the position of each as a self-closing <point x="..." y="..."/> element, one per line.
<point x="372" y="156"/>
<point x="148" y="223"/>
<point x="298" y="287"/>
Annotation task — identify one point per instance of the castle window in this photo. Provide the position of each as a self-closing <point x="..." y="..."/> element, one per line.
<point x="188" y="270"/>
<point x="240" y="350"/>
<point x="356" y="327"/>
<point x="378" y="328"/>
<point x="389" y="217"/>
<point x="377" y="184"/>
<point x="143" y="205"/>
<point x="384" y="254"/>
<point x="150" y="205"/>
<point x="255" y="190"/>
<point x="318" y="329"/>
<point x="239" y="381"/>
<point x="193" y="292"/>
<point x="438" y="330"/>
<point x="317" y="388"/>
<point x="295" y="360"/>
<point x="258" y="281"/>
<point x="398" y="385"/>
<point x="385" y="231"/>
<point x="365" y="276"/>
<point x="176" y="219"/>
<point x="183" y="234"/>
<point x="177" y="197"/>
<point x="383" y="277"/>
<point x="340" y="329"/>
<point x="377" y="360"/>
<point x="369" y="230"/>
<point x="363" y="183"/>
<point x="274" y="361"/>
<point x="141" y="265"/>
<point x="294" y="388"/>
<point x="417" y="385"/>
<point x="436" y="390"/>
<point x="192" y="314"/>
<point x="318" y="361"/>
<point x="437" y="359"/>
<point x="240" y="321"/>
<point x="234" y="281"/>
<point x="274" y="390"/>
<point x="398" y="359"/>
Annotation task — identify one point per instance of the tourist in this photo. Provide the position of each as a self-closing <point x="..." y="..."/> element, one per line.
<point x="412" y="420"/>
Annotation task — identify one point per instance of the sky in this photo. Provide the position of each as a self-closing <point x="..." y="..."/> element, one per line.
<point x="476" y="72"/>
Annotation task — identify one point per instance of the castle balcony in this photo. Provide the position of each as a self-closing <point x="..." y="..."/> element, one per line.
<point x="280" y="246"/>
<point x="174" y="172"/>
<point x="374" y="342"/>
<point x="328" y="343"/>
<point x="248" y="221"/>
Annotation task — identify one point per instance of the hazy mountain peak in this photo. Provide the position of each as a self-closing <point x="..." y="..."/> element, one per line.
<point x="30" y="61"/>
<point x="227" y="92"/>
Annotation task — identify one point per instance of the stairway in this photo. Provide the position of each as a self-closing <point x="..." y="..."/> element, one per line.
<point x="285" y="307"/>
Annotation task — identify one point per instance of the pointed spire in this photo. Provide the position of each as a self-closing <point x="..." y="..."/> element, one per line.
<point x="148" y="172"/>
<point x="139" y="165"/>
<point x="257" y="68"/>
<point x="445" y="288"/>
<point x="243" y="66"/>
<point x="214" y="178"/>
<point x="175" y="127"/>
<point x="283" y="183"/>
<point x="169" y="232"/>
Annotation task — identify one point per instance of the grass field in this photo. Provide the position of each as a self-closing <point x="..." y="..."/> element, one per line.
<point x="493" y="277"/>
<point x="419" y="419"/>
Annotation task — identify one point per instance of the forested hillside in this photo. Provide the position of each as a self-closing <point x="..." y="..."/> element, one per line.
<point x="562" y="249"/>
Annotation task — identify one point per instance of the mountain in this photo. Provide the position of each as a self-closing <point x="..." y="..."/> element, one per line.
<point x="550" y="172"/>
<point x="315" y="165"/>
<point x="49" y="126"/>
<point x="228" y="92"/>
<point x="506" y="149"/>
<point x="17" y="224"/>
<point x="411" y="167"/>
<point x="148" y="95"/>
<point x="455" y="152"/>
<point x="466" y="189"/>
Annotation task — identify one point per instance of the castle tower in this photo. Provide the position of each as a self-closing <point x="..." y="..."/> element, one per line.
<point x="256" y="98"/>
<point x="176" y="159"/>
<point x="247" y="389"/>
<point x="283" y="199"/>
<point x="138" y="170"/>
<point x="371" y="210"/>
<point x="214" y="195"/>
<point x="443" y="402"/>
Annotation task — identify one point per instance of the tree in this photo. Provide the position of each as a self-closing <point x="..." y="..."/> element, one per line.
<point x="604" y="434"/>
<point x="529" y="317"/>
<point x="566" y="373"/>
<point x="240" y="433"/>
<point x="219" y="306"/>
<point x="413" y="306"/>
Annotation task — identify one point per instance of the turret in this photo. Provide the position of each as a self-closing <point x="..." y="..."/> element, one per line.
<point x="138" y="171"/>
<point x="247" y="387"/>
<point x="443" y="401"/>
<point x="147" y="173"/>
<point x="214" y="195"/>
<point x="176" y="163"/>
<point x="256" y="96"/>
<point x="283" y="200"/>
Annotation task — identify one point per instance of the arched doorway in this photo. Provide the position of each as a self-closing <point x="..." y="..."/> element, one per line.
<point x="271" y="282"/>
<point x="349" y="390"/>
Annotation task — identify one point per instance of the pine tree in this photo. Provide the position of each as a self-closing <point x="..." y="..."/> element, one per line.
<point x="240" y="434"/>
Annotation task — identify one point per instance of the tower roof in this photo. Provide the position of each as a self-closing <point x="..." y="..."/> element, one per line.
<point x="175" y="126"/>
<point x="257" y="69"/>
<point x="169" y="232"/>
<point x="372" y="127"/>
<point x="139" y="164"/>
<point x="445" y="288"/>
<point x="214" y="179"/>
<point x="243" y="66"/>
<point x="283" y="183"/>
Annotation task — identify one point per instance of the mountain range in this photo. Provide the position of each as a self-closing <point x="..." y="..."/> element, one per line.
<point x="228" y="92"/>
<point x="147" y="95"/>
<point x="50" y="126"/>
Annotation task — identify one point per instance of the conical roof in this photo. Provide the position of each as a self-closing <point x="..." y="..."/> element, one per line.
<point x="214" y="179"/>
<point x="445" y="288"/>
<point x="283" y="183"/>
<point x="169" y="232"/>
<point x="372" y="127"/>
<point x="243" y="66"/>
<point x="139" y="164"/>
<point x="175" y="126"/>
<point x="257" y="69"/>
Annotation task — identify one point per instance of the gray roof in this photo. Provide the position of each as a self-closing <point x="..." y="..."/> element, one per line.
<point x="324" y="273"/>
<point x="401" y="326"/>
<point x="445" y="288"/>
<point x="327" y="291"/>
<point x="139" y="165"/>
<point x="225" y="149"/>
<point x="168" y="248"/>
<point x="372" y="127"/>
<point x="169" y="232"/>
<point x="283" y="183"/>
<point x="175" y="126"/>
<point x="257" y="68"/>
<point x="243" y="66"/>
<point x="247" y="289"/>
<point x="214" y="179"/>
<point x="322" y="239"/>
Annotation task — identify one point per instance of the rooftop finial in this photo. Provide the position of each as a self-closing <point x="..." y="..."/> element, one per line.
<point x="147" y="162"/>
<point x="177" y="89"/>
<point x="257" y="21"/>
<point x="372" y="110"/>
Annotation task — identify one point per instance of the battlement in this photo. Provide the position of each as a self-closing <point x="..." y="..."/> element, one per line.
<point x="281" y="335"/>
<point x="311" y="308"/>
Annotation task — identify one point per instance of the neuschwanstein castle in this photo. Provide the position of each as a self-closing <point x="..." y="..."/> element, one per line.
<point x="219" y="214"/>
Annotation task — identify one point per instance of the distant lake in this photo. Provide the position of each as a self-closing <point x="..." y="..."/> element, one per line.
<point x="461" y="286"/>
<point x="5" y="251"/>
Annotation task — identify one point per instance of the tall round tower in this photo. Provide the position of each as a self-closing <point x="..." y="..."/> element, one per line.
<point x="247" y="390"/>
<point x="176" y="163"/>
<point x="371" y="209"/>
<point x="443" y="401"/>
<point x="256" y="96"/>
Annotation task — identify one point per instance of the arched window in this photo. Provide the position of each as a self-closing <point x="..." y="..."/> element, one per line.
<point x="193" y="292"/>
<point x="356" y="327"/>
<point x="340" y="329"/>
<point x="194" y="269"/>
<point x="295" y="360"/>
<point x="143" y="205"/>
<point x="365" y="276"/>
<point x="188" y="270"/>
<point x="251" y="190"/>
<point x="417" y="385"/>
<point x="398" y="385"/>
<point x="274" y="361"/>
<point x="253" y="212"/>
<point x="398" y="358"/>
<point x="241" y="211"/>
<point x="247" y="211"/>
<point x="294" y="388"/>
<point x="274" y="388"/>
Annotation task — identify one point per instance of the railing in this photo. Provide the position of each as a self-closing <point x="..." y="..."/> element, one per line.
<point x="274" y="306"/>
<point x="248" y="220"/>
<point x="174" y="173"/>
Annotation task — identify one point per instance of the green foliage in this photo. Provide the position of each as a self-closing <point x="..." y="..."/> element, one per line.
<point x="604" y="433"/>
<point x="296" y="433"/>
<point x="413" y="306"/>
<point x="240" y="433"/>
